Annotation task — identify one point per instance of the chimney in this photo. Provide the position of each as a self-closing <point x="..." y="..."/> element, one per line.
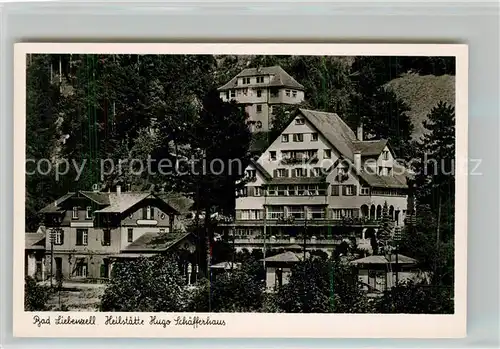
<point x="118" y="189"/>
<point x="360" y="132"/>
<point x="357" y="161"/>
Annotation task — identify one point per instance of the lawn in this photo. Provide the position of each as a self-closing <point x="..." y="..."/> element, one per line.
<point x="78" y="297"/>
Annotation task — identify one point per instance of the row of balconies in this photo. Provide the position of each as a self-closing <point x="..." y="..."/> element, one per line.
<point x="301" y="221"/>
<point x="272" y="240"/>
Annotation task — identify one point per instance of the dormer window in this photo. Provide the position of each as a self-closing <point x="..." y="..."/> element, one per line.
<point x="251" y="173"/>
<point x="300" y="121"/>
<point x="300" y="172"/>
<point x="317" y="171"/>
<point x="384" y="171"/>
<point x="287" y="92"/>
<point x="148" y="212"/>
<point x="294" y="94"/>
<point x="75" y="213"/>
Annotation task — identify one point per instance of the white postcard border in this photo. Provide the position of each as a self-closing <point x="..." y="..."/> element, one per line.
<point x="244" y="325"/>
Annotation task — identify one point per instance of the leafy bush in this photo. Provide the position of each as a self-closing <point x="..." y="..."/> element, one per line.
<point x="412" y="298"/>
<point x="35" y="296"/>
<point x="145" y="285"/>
<point x="239" y="290"/>
<point x="319" y="286"/>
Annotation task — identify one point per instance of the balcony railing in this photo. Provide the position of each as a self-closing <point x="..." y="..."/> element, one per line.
<point x="299" y="160"/>
<point x="277" y="240"/>
<point x="276" y="219"/>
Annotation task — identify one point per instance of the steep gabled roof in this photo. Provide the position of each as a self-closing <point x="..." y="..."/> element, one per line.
<point x="285" y="257"/>
<point x="155" y="242"/>
<point x="54" y="206"/>
<point x="113" y="202"/>
<point x="261" y="169"/>
<point x="340" y="135"/>
<point x="370" y="148"/>
<point x="98" y="197"/>
<point x="402" y="259"/>
<point x="334" y="129"/>
<point x="34" y="241"/>
<point x="280" y="78"/>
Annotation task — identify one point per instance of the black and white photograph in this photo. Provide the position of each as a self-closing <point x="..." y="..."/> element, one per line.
<point x="239" y="183"/>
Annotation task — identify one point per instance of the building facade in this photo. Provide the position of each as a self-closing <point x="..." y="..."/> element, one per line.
<point x="261" y="90"/>
<point x="318" y="183"/>
<point x="87" y="230"/>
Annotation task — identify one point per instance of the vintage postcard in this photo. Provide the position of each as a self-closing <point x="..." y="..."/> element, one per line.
<point x="240" y="190"/>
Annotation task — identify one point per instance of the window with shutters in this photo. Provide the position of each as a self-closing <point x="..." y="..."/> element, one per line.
<point x="335" y="190"/>
<point x="317" y="171"/>
<point x="336" y="213"/>
<point x="272" y="191"/>
<point x="81" y="268"/>
<point x="298" y="137"/>
<point x="284" y="138"/>
<point x="301" y="190"/>
<point x="282" y="190"/>
<point x="364" y="191"/>
<point x="105" y="268"/>
<point x="314" y="137"/>
<point x="281" y="172"/>
<point x="300" y="121"/>
<point x="327" y="154"/>
<point x="275" y="212"/>
<point x="88" y="212"/>
<point x="287" y="92"/>
<point x="349" y="190"/>
<point x="251" y="191"/>
<point x="251" y="173"/>
<point x="258" y="191"/>
<point x="148" y="212"/>
<point x="300" y="172"/>
<point x="82" y="236"/>
<point x="106" y="237"/>
<point x="75" y="213"/>
<point x="58" y="237"/>
<point x="272" y="155"/>
<point x="294" y="93"/>
<point x="245" y="214"/>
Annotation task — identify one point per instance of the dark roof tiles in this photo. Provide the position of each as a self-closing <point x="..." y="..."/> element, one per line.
<point x="280" y="78"/>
